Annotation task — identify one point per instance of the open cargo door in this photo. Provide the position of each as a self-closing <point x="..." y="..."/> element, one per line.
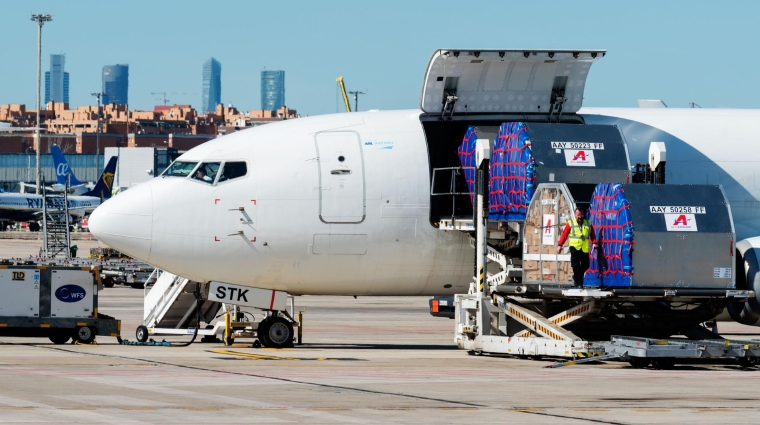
<point x="506" y="81"/>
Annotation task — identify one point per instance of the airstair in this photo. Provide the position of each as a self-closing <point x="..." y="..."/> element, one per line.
<point x="55" y="223"/>
<point x="172" y="305"/>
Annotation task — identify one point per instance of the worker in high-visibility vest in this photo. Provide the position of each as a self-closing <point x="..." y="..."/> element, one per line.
<point x="578" y="232"/>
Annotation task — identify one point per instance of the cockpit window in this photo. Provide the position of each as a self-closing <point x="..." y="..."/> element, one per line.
<point x="207" y="172"/>
<point x="180" y="169"/>
<point x="233" y="170"/>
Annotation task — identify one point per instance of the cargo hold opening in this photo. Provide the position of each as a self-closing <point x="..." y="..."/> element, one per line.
<point x="485" y="88"/>
<point x="443" y="139"/>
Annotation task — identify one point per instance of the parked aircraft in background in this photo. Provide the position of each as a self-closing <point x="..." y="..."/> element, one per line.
<point x="62" y="172"/>
<point x="18" y="207"/>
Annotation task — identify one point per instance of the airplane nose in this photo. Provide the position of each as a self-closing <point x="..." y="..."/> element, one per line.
<point x="125" y="222"/>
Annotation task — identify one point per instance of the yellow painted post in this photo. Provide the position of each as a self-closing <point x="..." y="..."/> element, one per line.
<point x="300" y="328"/>
<point x="227" y="326"/>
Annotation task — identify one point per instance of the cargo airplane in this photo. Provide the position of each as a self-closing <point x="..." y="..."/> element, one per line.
<point x="341" y="204"/>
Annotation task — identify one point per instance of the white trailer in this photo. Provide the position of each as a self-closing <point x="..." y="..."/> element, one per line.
<point x="50" y="300"/>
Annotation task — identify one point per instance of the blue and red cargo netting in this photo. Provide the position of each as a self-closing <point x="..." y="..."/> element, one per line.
<point x="512" y="172"/>
<point x="466" y="154"/>
<point x="611" y="264"/>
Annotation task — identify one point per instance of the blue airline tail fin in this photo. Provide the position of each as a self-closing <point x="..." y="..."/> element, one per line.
<point x="62" y="168"/>
<point x="103" y="188"/>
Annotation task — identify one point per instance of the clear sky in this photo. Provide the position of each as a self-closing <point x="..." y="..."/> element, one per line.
<point x="677" y="51"/>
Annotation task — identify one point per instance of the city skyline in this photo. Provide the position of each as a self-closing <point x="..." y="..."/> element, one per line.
<point x="667" y="63"/>
<point x="212" y="85"/>
<point x="57" y="80"/>
<point x="116" y="84"/>
<point x="272" y="90"/>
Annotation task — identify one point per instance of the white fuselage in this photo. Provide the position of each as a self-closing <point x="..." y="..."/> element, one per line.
<point x="23" y="207"/>
<point x="304" y="221"/>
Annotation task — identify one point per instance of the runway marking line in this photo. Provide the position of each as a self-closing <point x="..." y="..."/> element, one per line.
<point x="455" y="408"/>
<point x="253" y="356"/>
<point x="17" y="408"/>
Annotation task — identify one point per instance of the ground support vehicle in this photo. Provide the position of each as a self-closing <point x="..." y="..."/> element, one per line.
<point x="509" y="169"/>
<point x="121" y="269"/>
<point x="179" y="306"/>
<point x="50" y="300"/>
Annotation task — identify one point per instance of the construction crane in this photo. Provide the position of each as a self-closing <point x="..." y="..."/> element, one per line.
<point x="163" y="96"/>
<point x="343" y="92"/>
<point x="164" y="93"/>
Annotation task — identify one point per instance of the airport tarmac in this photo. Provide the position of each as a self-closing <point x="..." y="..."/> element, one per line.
<point x="365" y="360"/>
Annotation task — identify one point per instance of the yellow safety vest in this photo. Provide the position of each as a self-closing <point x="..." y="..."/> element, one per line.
<point x="579" y="235"/>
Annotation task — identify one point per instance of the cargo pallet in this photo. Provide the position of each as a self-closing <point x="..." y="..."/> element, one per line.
<point x="59" y="302"/>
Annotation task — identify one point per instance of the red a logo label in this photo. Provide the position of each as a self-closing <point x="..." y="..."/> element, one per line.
<point x="681" y="220"/>
<point x="580" y="155"/>
<point x="548" y="226"/>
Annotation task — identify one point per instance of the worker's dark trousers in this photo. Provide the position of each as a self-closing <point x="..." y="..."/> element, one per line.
<point x="579" y="261"/>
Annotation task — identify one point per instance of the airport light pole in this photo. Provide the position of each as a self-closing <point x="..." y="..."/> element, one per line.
<point x="356" y="99"/>
<point x="40" y="19"/>
<point x="97" y="135"/>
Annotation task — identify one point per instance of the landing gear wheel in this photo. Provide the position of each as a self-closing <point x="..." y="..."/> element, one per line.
<point x="84" y="335"/>
<point x="60" y="338"/>
<point x="109" y="282"/>
<point x="747" y="362"/>
<point x="141" y="333"/>
<point x="663" y="363"/>
<point x="280" y="333"/>
<point x="263" y="331"/>
<point x="229" y="341"/>
<point x="639" y="362"/>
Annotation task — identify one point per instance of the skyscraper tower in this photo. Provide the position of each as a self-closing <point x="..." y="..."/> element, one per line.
<point x="116" y="84"/>
<point x="212" y="85"/>
<point x="57" y="80"/>
<point x="272" y="90"/>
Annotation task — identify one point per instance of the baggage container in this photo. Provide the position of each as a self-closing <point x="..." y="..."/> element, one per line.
<point x="649" y="236"/>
